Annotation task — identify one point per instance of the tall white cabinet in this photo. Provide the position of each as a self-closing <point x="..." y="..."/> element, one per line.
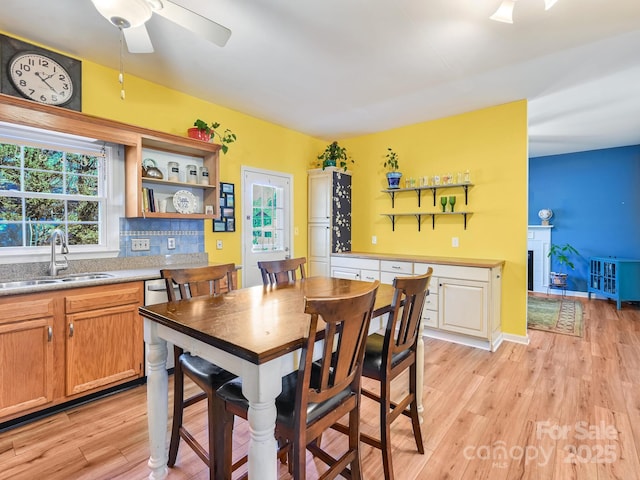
<point x="329" y="218"/>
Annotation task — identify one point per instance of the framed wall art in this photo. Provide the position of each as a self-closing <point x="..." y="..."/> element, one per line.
<point x="227" y="222"/>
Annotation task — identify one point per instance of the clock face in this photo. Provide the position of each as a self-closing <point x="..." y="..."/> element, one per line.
<point x="40" y="78"/>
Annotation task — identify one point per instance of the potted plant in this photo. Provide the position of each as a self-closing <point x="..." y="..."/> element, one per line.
<point x="205" y="132"/>
<point x="391" y="162"/>
<point x="563" y="256"/>
<point x="334" y="156"/>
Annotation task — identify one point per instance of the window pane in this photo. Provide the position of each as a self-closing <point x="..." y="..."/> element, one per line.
<point x="42" y="159"/>
<point x="45" y="209"/>
<point x="85" y="164"/>
<point x="9" y="155"/>
<point x="82" y="185"/>
<point x="38" y="234"/>
<point x="10" y="208"/>
<point x="10" y="235"/>
<point x="44" y="182"/>
<point x="84" y="234"/>
<point x="82" y="211"/>
<point x="9" y="179"/>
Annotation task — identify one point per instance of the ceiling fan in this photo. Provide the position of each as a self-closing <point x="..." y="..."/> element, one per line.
<point x="130" y="17"/>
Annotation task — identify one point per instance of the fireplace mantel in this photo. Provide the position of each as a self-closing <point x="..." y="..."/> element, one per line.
<point x="539" y="241"/>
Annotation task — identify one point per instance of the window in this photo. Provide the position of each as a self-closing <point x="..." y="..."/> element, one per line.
<point x="266" y="218"/>
<point x="48" y="181"/>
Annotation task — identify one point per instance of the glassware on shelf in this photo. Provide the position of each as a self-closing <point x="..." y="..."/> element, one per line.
<point x="436" y="179"/>
<point x="452" y="202"/>
<point x="443" y="202"/>
<point x="467" y="176"/>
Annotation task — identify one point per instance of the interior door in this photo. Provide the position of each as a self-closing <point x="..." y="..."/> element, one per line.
<point x="267" y="217"/>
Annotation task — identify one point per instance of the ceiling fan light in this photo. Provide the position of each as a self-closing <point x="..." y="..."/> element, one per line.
<point x="121" y="12"/>
<point x="549" y="3"/>
<point x="504" y="12"/>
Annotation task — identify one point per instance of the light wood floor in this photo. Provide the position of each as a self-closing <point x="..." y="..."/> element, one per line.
<point x="560" y="408"/>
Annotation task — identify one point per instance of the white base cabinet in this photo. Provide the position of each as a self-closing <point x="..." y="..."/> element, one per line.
<point x="463" y="304"/>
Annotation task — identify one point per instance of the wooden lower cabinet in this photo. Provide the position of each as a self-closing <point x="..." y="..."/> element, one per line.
<point x="26" y="355"/>
<point x="58" y="346"/>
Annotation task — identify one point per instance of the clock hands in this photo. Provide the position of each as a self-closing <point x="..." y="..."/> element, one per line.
<point x="41" y="76"/>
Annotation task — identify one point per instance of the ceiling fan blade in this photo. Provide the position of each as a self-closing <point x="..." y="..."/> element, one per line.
<point x="201" y="26"/>
<point x="138" y="40"/>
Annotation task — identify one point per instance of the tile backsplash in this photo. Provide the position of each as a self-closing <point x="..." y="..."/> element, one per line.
<point x="188" y="235"/>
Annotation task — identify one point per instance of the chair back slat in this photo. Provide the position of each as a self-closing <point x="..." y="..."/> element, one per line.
<point x="277" y="272"/>
<point x="198" y="281"/>
<point x="404" y="323"/>
<point x="346" y="321"/>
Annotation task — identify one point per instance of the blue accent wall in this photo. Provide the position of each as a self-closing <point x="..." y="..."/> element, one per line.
<point x="595" y="198"/>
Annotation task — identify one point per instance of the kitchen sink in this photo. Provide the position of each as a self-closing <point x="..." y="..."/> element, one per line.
<point x="28" y="283"/>
<point x="77" y="277"/>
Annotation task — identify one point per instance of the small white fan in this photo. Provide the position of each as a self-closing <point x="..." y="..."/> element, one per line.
<point x="130" y="16"/>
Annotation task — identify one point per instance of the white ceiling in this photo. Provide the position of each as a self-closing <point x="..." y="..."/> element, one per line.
<point x="339" y="68"/>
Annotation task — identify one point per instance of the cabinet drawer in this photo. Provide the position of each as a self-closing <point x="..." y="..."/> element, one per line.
<point x="431" y="302"/>
<point x="359" y="263"/>
<point x="399" y="268"/>
<point x="103" y="297"/>
<point x="463" y="273"/>
<point x="26" y="309"/>
<point x="369" y="275"/>
<point x="430" y="318"/>
<point x="349" y="273"/>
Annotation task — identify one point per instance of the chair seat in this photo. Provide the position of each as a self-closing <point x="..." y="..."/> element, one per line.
<point x="208" y="376"/>
<point x="285" y="402"/>
<point x="372" y="366"/>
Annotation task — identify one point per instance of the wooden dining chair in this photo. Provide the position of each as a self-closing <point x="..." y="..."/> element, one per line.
<point x="195" y="282"/>
<point x="282" y="271"/>
<point x="387" y="356"/>
<point x="316" y="395"/>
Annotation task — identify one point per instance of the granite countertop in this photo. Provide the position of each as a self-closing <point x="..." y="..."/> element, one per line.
<point x="125" y="269"/>
<point x="464" y="262"/>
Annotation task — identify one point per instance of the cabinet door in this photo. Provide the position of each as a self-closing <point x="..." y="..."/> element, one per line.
<point x="319" y="198"/>
<point x="463" y="306"/>
<point x="319" y="249"/>
<point x="26" y="356"/>
<point x="104" y="343"/>
<point x="103" y="347"/>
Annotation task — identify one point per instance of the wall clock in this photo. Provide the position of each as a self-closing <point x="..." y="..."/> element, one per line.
<point x="39" y="74"/>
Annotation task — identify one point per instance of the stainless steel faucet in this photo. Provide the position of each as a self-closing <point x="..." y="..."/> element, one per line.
<point x="56" y="265"/>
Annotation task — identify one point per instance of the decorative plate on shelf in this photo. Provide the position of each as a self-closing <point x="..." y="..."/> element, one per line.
<point x="184" y="201"/>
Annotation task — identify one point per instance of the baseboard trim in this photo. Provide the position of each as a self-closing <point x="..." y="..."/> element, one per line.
<point x="521" y="339"/>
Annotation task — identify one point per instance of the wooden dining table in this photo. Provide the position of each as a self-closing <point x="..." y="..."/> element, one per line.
<point x="252" y="332"/>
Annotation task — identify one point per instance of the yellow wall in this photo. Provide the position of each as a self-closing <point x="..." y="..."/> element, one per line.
<point x="492" y="144"/>
<point x="260" y="144"/>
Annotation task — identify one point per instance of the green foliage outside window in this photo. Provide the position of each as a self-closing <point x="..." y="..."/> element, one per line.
<point x="43" y="189"/>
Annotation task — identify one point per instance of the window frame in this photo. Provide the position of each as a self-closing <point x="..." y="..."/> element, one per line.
<point x="112" y="177"/>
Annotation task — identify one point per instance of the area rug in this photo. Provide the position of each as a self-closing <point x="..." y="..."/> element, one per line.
<point x="557" y="315"/>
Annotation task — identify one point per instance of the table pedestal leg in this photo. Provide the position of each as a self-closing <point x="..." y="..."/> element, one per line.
<point x="157" y="402"/>
<point x="261" y="388"/>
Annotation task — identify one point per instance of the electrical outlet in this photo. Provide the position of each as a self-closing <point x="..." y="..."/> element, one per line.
<point x="219" y="244"/>
<point x="171" y="243"/>
<point x="374" y="240"/>
<point x="140" y="244"/>
<point x="455" y="242"/>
